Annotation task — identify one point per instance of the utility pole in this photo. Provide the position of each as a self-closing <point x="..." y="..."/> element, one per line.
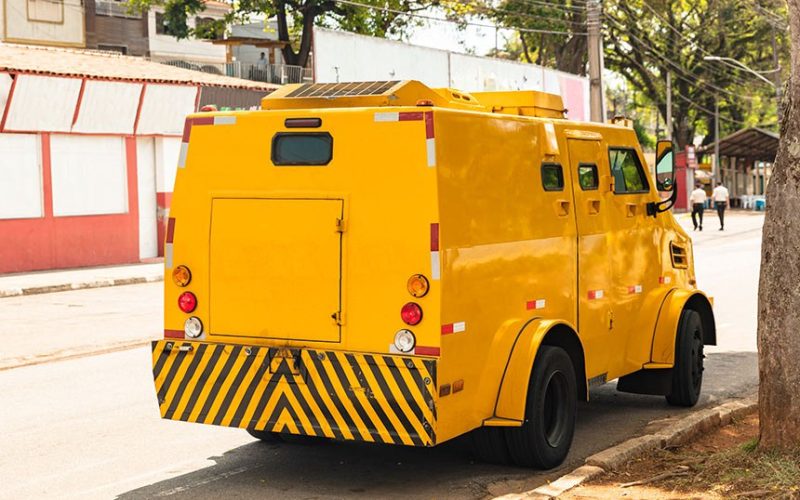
<point x="595" y="47"/>
<point x="715" y="166"/>
<point x="669" y="105"/>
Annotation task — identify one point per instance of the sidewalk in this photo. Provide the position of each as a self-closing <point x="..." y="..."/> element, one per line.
<point x="13" y="285"/>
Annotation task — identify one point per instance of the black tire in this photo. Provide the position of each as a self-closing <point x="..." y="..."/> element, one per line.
<point x="266" y="436"/>
<point x="284" y="437"/>
<point x="543" y="441"/>
<point x="687" y="374"/>
<point x="489" y="445"/>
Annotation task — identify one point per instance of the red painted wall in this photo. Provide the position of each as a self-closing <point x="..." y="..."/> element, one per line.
<point x="58" y="242"/>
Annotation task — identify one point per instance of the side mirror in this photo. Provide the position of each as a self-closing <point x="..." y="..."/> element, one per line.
<point x="665" y="166"/>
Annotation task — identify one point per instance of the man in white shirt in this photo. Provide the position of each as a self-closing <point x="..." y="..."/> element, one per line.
<point x="721" y="199"/>
<point x="698" y="201"/>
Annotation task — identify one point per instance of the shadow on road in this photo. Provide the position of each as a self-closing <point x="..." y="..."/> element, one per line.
<point x="337" y="470"/>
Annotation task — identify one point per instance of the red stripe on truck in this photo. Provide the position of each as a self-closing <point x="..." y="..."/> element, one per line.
<point x="409" y="116"/>
<point x="434" y="237"/>
<point x="429" y="124"/>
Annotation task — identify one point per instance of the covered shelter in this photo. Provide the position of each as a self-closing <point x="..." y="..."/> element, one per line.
<point x="746" y="159"/>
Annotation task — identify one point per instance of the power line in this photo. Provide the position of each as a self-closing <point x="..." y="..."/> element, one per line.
<point x="681" y="72"/>
<point x="712" y="68"/>
<point x="465" y="23"/>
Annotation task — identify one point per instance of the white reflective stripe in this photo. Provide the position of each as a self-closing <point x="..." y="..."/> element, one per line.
<point x="387" y="117"/>
<point x="430" y="146"/>
<point x="666" y="279"/>
<point x="636" y="289"/>
<point x="459" y="327"/>
<point x="182" y="155"/>
<point x="539" y="304"/>
<point x="598" y="294"/>
<point x="435" y="266"/>
<point x="224" y="120"/>
<point x="168" y="255"/>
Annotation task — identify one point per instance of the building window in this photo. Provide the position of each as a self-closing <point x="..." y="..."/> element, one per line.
<point x="113" y="48"/>
<point x="207" y="28"/>
<point x="162" y="28"/>
<point x="46" y="11"/>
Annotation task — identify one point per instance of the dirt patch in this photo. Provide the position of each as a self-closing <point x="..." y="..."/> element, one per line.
<point x="721" y="465"/>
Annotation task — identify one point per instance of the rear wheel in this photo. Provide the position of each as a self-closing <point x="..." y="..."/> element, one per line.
<point x="266" y="436"/>
<point x="543" y="441"/>
<point x="489" y="445"/>
<point x="687" y="374"/>
<point x="284" y="437"/>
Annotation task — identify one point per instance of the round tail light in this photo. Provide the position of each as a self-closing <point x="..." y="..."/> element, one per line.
<point x="411" y="314"/>
<point x="405" y="341"/>
<point x="193" y="327"/>
<point x="187" y="302"/>
<point x="418" y="285"/>
<point x="181" y="276"/>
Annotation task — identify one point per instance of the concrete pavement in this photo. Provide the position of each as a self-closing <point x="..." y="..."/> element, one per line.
<point x="89" y="427"/>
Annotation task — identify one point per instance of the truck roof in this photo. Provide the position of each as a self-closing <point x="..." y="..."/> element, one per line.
<point x="413" y="93"/>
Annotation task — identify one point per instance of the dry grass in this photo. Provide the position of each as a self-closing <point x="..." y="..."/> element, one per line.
<point x="724" y="464"/>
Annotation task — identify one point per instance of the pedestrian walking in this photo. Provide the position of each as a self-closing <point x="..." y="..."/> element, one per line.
<point x="698" y="201"/>
<point x="721" y="199"/>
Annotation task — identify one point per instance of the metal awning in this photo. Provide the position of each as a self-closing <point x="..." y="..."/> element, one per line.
<point x="750" y="143"/>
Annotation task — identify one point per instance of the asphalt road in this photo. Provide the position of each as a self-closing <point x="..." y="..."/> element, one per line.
<point x="88" y="427"/>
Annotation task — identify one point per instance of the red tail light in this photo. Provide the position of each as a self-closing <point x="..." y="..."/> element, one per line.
<point x="411" y="314"/>
<point x="187" y="302"/>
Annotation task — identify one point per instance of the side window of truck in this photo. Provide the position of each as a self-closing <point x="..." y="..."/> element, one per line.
<point x="552" y="177"/>
<point x="587" y="176"/>
<point x="629" y="176"/>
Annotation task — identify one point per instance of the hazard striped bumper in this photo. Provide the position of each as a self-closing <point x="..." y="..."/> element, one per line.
<point x="342" y="395"/>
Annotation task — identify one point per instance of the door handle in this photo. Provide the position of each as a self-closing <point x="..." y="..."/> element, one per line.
<point x="562" y="208"/>
<point x="631" y="209"/>
<point x="594" y="207"/>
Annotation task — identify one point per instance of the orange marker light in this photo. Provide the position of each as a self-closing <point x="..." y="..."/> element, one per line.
<point x="181" y="275"/>
<point x="418" y="285"/>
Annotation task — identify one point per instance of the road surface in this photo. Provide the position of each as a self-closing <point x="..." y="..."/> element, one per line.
<point x="88" y="426"/>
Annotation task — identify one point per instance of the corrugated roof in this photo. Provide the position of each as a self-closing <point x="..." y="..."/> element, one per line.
<point x="103" y="65"/>
<point x="753" y="143"/>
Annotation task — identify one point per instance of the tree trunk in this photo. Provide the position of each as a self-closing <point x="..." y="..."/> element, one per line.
<point x="779" y="287"/>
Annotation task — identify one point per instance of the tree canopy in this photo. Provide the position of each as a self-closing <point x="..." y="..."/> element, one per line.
<point x="646" y="39"/>
<point x="295" y="19"/>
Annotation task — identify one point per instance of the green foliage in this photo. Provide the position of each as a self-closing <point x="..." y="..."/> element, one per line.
<point x="646" y="140"/>
<point x="295" y="19"/>
<point x="648" y="38"/>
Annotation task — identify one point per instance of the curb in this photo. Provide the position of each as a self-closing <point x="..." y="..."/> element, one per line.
<point x="672" y="435"/>
<point x="65" y="287"/>
<point x="81" y="352"/>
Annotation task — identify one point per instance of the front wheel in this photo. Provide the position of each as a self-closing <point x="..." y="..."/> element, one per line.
<point x="687" y="374"/>
<point x="545" y="437"/>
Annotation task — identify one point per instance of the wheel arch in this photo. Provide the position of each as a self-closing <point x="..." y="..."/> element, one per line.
<point x="663" y="347"/>
<point x="513" y="390"/>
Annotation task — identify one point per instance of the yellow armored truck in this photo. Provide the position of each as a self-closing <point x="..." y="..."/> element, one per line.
<point x="391" y="263"/>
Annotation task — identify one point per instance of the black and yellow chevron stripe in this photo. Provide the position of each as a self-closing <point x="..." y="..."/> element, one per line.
<point x="342" y="395"/>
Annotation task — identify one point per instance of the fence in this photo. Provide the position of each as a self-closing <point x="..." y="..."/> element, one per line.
<point x="265" y="72"/>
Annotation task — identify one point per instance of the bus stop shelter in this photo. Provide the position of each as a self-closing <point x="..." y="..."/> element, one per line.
<point x="745" y="163"/>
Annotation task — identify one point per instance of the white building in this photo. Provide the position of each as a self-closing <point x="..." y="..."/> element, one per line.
<point x="43" y="22"/>
<point x="343" y="57"/>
